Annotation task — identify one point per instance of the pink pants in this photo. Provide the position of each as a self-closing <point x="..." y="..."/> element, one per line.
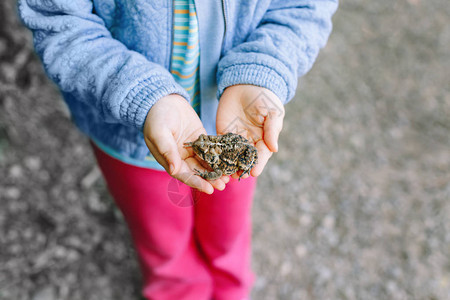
<point x="190" y="245"/>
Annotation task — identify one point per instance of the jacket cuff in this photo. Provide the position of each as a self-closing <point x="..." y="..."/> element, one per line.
<point x="254" y="74"/>
<point x="144" y="95"/>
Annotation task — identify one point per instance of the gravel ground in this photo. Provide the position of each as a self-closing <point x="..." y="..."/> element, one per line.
<point x="354" y="206"/>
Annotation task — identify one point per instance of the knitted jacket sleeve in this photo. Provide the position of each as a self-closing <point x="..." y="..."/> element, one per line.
<point x="282" y="48"/>
<point x="82" y="58"/>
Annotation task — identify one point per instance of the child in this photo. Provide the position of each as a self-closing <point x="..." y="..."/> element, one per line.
<point x="143" y="77"/>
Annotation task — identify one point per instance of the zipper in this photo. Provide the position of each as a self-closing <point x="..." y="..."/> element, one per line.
<point x="225" y="21"/>
<point x="172" y="36"/>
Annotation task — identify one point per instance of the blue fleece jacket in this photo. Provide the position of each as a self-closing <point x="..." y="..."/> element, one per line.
<point x="111" y="58"/>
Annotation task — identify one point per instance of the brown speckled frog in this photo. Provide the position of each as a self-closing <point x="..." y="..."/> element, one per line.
<point x="225" y="154"/>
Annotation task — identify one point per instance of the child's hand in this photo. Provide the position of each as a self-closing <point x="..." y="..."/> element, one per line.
<point x="255" y="113"/>
<point x="171" y="122"/>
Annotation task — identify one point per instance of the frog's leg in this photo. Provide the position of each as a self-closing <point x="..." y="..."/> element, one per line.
<point x="243" y="173"/>
<point x="213" y="175"/>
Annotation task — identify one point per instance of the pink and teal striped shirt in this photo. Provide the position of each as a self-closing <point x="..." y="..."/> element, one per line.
<point x="185" y="52"/>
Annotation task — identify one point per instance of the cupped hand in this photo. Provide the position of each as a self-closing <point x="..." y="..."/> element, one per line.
<point x="169" y="124"/>
<point x="255" y="113"/>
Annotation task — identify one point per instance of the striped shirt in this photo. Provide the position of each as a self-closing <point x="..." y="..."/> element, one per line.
<point x="185" y="52"/>
<point x="184" y="66"/>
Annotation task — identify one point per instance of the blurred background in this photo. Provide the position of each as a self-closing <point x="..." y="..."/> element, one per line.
<point x="355" y="205"/>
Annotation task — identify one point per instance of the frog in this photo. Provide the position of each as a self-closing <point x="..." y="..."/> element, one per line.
<point x="225" y="154"/>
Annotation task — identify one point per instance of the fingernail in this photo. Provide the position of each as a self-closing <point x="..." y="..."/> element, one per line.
<point x="171" y="168"/>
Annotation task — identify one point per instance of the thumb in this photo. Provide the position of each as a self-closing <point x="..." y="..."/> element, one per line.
<point x="166" y="151"/>
<point x="272" y="127"/>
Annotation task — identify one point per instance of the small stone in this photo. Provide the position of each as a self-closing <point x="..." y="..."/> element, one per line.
<point x="27" y="233"/>
<point x="444" y="282"/>
<point x="71" y="255"/>
<point x="46" y="293"/>
<point x="261" y="283"/>
<point x="88" y="181"/>
<point x="8" y="71"/>
<point x="75" y="242"/>
<point x="95" y="203"/>
<point x="286" y="268"/>
<point x="391" y="286"/>
<point x="16" y="171"/>
<point x="324" y="274"/>
<point x="15" y="249"/>
<point x="328" y="222"/>
<point x="33" y="163"/>
<point x="305" y="220"/>
<point x="12" y="193"/>
<point x="301" y="251"/>
<point x="60" y="251"/>
<point x="42" y="260"/>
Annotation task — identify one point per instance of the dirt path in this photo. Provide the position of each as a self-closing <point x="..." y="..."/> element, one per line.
<point x="354" y="206"/>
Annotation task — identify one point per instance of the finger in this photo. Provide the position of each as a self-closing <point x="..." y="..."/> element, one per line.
<point x="225" y="179"/>
<point x="237" y="175"/>
<point x="184" y="173"/>
<point x="189" y="178"/>
<point x="273" y="124"/>
<point x="218" y="184"/>
<point x="195" y="182"/>
<point x="167" y="149"/>
<point x="263" y="156"/>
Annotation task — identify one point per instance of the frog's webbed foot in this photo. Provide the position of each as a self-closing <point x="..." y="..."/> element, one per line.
<point x="243" y="173"/>
<point x="213" y="175"/>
